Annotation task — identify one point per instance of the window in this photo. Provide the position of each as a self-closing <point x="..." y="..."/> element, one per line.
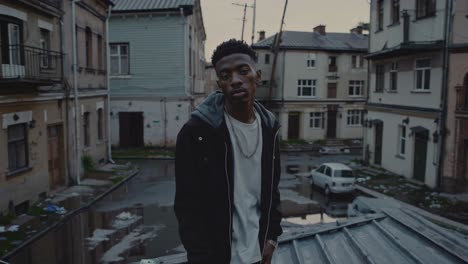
<point x="316" y="120"/>
<point x="100" y="123"/>
<point x="401" y="140"/>
<point x="321" y="169"/>
<point x="86" y="128"/>
<point x="394" y="76"/>
<point x="395" y="11"/>
<point x="306" y="87"/>
<point x="89" y="47"/>
<point x="356" y="88"/>
<point x="379" y="78"/>
<point x="355" y="117"/>
<point x="380" y="15"/>
<point x="310" y="62"/>
<point x="357" y="61"/>
<point x="332" y="64"/>
<point x="328" y="171"/>
<point x="425" y="8"/>
<point x="14" y="37"/>
<point x="267" y="58"/>
<point x="17" y="147"/>
<point x="423" y="74"/>
<point x="45" y="46"/>
<point x="119" y="59"/>
<point x="100" y="53"/>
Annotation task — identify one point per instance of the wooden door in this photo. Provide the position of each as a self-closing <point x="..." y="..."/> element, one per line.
<point x="465" y="165"/>
<point x="420" y="157"/>
<point x="131" y="129"/>
<point x="331" y="91"/>
<point x="293" y="125"/>
<point x="378" y="143"/>
<point x="55" y="156"/>
<point x="331" y="124"/>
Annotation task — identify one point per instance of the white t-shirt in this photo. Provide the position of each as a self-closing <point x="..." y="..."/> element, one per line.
<point x="247" y="189"/>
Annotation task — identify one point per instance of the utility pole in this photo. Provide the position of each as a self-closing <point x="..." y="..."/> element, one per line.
<point x="276" y="46"/>
<point x="254" y="7"/>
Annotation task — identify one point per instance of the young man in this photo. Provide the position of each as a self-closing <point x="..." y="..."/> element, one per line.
<point x="228" y="168"/>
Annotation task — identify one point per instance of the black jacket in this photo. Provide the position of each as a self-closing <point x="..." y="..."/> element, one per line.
<point x="204" y="183"/>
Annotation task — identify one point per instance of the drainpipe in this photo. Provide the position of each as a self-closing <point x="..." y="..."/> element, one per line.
<point x="445" y="87"/>
<point x="109" y="150"/>
<point x="75" y="89"/>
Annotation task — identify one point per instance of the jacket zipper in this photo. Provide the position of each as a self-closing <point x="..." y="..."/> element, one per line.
<point x="271" y="192"/>
<point x="228" y="194"/>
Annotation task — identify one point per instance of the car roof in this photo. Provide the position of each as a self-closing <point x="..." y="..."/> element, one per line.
<point x="336" y="166"/>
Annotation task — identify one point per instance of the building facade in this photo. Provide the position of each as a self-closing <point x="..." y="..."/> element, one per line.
<point x="319" y="85"/>
<point x="455" y="161"/>
<point x="406" y="64"/>
<point x="157" y="70"/>
<point x="33" y="114"/>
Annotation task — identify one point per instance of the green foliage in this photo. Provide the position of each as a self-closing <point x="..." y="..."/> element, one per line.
<point x="36" y="211"/>
<point x="88" y="163"/>
<point x="320" y="142"/>
<point x="117" y="179"/>
<point x="6" y="219"/>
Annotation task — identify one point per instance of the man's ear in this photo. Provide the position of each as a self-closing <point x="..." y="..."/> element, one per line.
<point x="259" y="75"/>
<point x="217" y="83"/>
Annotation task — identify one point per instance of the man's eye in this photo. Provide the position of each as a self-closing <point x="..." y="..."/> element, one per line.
<point x="224" y="77"/>
<point x="244" y="71"/>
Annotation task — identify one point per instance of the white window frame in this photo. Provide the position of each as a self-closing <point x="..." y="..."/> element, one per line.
<point x="357" y="84"/>
<point x="315" y="117"/>
<point x="354" y="117"/>
<point x="14" y="40"/>
<point x="357" y="61"/>
<point x="307" y="83"/>
<point x="119" y="60"/>
<point x="423" y="71"/>
<point x="311" y="61"/>
<point x="393" y="77"/>
<point x="402" y="140"/>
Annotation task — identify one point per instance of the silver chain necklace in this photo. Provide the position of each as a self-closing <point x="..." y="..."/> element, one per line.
<point x="248" y="156"/>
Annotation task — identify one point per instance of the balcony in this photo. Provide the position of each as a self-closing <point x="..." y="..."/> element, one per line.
<point x="24" y="66"/>
<point x="52" y="7"/>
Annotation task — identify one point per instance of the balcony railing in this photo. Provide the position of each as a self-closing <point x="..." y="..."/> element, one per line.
<point x="25" y="64"/>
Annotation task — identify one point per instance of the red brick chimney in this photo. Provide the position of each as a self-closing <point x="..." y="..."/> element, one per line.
<point x="320" y="29"/>
<point x="261" y="35"/>
<point x="357" y="30"/>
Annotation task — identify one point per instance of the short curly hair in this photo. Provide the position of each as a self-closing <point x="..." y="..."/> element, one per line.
<point x="230" y="47"/>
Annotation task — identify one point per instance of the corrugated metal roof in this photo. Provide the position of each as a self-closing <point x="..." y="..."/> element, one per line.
<point x="313" y="40"/>
<point x="396" y="235"/>
<point x="140" y="5"/>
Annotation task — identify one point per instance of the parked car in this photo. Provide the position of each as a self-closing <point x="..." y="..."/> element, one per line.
<point x="334" y="178"/>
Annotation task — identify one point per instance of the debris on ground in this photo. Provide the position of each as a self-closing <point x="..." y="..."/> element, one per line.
<point x="52" y="208"/>
<point x="125" y="219"/>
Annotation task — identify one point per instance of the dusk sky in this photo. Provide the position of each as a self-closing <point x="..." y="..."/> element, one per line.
<point x="223" y="20"/>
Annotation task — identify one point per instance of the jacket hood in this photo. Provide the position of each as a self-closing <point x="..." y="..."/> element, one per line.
<point x="211" y="110"/>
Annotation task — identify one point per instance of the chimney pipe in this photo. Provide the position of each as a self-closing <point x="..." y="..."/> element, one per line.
<point x="261" y="35"/>
<point x="320" y="29"/>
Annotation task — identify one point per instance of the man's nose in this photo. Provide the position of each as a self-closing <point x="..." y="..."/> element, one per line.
<point x="236" y="80"/>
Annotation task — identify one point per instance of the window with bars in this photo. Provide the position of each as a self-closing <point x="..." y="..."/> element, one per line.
<point x="425" y="8"/>
<point x="17" y="147"/>
<point x="356" y="88"/>
<point x="355" y="117"/>
<point x="119" y="54"/>
<point x="316" y="120"/>
<point x="379" y="77"/>
<point x="394" y="77"/>
<point x="306" y="88"/>
<point x="423" y="75"/>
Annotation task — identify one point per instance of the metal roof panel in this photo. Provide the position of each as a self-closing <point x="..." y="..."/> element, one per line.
<point x="144" y="5"/>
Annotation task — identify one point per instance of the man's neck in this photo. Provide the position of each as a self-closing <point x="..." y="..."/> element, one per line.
<point x="243" y="113"/>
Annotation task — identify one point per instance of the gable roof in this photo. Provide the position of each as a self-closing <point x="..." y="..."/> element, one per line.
<point x="298" y="40"/>
<point x="150" y="5"/>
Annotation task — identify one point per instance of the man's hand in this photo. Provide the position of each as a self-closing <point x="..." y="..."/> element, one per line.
<point x="268" y="253"/>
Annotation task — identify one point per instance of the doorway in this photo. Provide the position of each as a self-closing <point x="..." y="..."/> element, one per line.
<point x="131" y="129"/>
<point x="331" y="121"/>
<point x="55" y="156"/>
<point x="420" y="155"/>
<point x="293" y="125"/>
<point x="378" y="143"/>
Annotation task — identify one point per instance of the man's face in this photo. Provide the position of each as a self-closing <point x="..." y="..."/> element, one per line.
<point x="237" y="78"/>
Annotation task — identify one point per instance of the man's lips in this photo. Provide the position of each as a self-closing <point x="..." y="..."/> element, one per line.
<point x="238" y="93"/>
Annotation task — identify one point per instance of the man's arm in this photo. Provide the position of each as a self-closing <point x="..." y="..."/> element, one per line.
<point x="188" y="205"/>
<point x="275" y="229"/>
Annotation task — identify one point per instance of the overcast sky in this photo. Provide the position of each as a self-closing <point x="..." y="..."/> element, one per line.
<point x="223" y="20"/>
